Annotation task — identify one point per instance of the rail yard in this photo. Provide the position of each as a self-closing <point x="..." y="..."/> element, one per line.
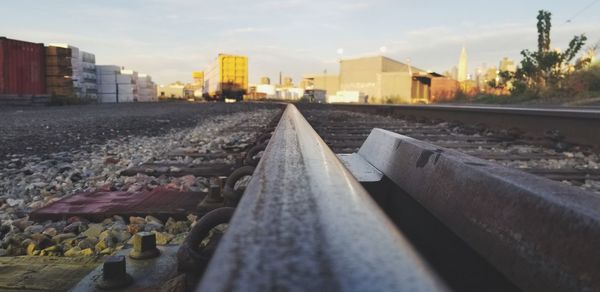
<point x="257" y="196"/>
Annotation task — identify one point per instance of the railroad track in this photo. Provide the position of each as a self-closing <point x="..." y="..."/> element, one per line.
<point x="452" y="221"/>
<point x="345" y="131"/>
<point x="358" y="198"/>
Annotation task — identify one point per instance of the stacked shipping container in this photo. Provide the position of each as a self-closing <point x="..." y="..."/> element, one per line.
<point x="227" y="77"/>
<point x="22" y="68"/>
<point x="29" y="69"/>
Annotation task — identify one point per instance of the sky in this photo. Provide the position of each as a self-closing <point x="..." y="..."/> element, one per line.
<point x="168" y="39"/>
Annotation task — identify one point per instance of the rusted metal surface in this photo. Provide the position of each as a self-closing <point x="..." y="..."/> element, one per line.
<point x="345" y="131"/>
<point x="22" y="68"/>
<point x="98" y="205"/>
<point x="305" y="224"/>
<point x="543" y="235"/>
<point x="577" y="125"/>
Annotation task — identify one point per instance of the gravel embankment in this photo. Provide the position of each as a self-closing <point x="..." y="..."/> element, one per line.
<point x="139" y="135"/>
<point x="44" y="130"/>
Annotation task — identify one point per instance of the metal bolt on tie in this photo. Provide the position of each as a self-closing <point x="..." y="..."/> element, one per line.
<point x="213" y="199"/>
<point x="114" y="274"/>
<point x="144" y="246"/>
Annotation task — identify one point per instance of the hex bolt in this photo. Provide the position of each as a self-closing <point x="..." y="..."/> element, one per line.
<point x="213" y="199"/>
<point x="144" y="246"/>
<point x="114" y="274"/>
<point x="214" y="190"/>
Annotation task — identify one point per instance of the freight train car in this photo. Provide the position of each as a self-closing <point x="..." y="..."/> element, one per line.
<point x="22" y="68"/>
<point x="226" y="78"/>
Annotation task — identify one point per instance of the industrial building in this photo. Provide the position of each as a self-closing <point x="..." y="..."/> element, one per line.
<point x="380" y="80"/>
<point x="175" y="90"/>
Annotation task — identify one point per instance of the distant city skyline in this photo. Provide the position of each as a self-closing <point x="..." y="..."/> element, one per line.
<point x="170" y="39"/>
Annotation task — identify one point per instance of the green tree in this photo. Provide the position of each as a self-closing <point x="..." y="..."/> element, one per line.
<point x="545" y="68"/>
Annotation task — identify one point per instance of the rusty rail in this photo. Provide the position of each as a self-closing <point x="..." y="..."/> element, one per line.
<point x="305" y="223"/>
<point x="543" y="235"/>
<point x="572" y="125"/>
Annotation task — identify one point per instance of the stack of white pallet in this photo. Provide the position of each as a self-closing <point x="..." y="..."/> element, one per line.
<point x="88" y="81"/>
<point x="127" y="86"/>
<point x="146" y="88"/>
<point x="106" y="77"/>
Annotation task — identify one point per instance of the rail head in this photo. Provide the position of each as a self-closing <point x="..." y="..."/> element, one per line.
<point x="305" y="223"/>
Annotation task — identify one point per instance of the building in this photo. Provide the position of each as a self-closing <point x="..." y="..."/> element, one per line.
<point x="22" y="68"/>
<point x="329" y="83"/>
<point x="289" y="93"/>
<point x="174" y="90"/>
<point x="462" y="66"/>
<point x="265" y="80"/>
<point x="381" y="80"/>
<point x="442" y="88"/>
<point x="287" y="82"/>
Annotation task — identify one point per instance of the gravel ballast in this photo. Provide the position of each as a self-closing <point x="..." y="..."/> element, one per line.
<point x="31" y="181"/>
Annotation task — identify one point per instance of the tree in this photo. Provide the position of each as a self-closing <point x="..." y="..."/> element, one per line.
<point x="545" y="68"/>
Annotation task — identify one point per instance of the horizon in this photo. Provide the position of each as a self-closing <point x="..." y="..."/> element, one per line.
<point x="169" y="39"/>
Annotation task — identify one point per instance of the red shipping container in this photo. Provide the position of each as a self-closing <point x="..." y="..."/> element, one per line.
<point x="22" y="68"/>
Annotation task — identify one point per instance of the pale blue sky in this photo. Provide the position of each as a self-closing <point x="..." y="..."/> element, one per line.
<point x="169" y="39"/>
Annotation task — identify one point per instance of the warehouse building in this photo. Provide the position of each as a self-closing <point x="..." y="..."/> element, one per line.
<point x="175" y="90"/>
<point x="381" y="80"/>
<point x="329" y="83"/>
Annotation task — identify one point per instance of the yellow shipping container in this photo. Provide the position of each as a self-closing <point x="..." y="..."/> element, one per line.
<point x="227" y="77"/>
<point x="198" y="75"/>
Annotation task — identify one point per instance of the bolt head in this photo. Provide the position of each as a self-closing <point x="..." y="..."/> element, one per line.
<point x="114" y="268"/>
<point x="144" y="246"/>
<point x="114" y="274"/>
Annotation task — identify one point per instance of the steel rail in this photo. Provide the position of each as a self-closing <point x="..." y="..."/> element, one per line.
<point x="543" y="235"/>
<point x="577" y="125"/>
<point x="305" y="224"/>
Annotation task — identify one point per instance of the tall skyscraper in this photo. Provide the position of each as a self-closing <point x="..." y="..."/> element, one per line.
<point x="462" y="65"/>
